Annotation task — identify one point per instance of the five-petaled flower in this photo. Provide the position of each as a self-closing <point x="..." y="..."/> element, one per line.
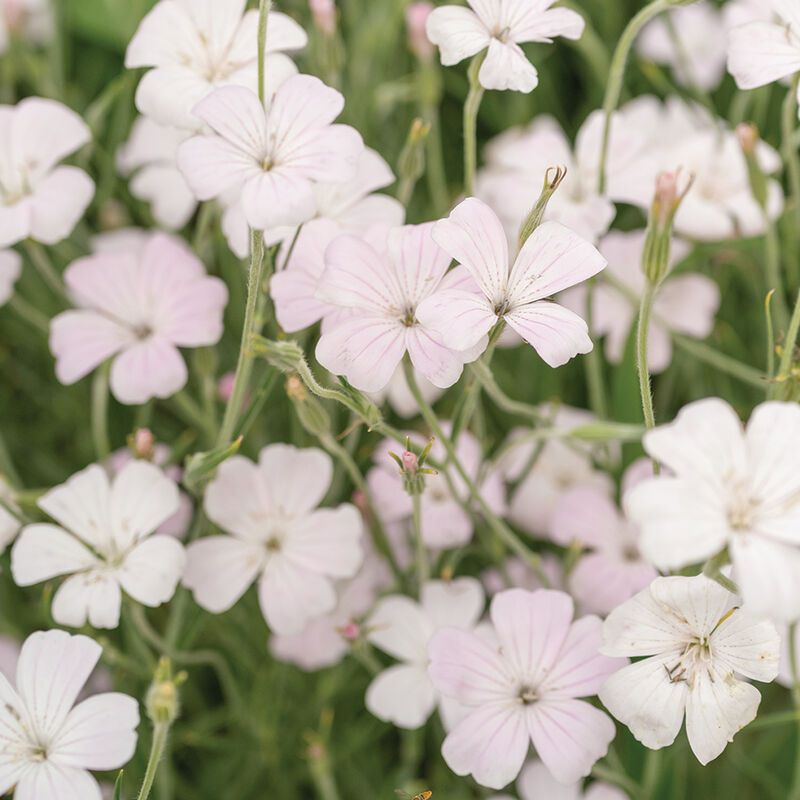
<point x="498" y="27"/>
<point x="49" y="744"/>
<point x="697" y="643"/>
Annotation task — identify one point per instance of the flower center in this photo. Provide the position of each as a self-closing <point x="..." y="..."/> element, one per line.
<point x="528" y="695"/>
<point x="695" y="657"/>
<point x="267" y="163"/>
<point x="501" y="307"/>
<point x="501" y="34"/>
<point x="274" y="544"/>
<point x="741" y="510"/>
<point x="142" y="331"/>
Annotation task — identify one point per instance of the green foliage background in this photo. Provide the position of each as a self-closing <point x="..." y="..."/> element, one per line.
<point x="254" y="745"/>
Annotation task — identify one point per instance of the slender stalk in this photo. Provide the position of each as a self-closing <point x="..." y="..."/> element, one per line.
<point x="792" y="161"/>
<point x="645" y="310"/>
<point x="772" y="259"/>
<point x="263" y="18"/>
<point x="770" y="339"/>
<point x="160" y="734"/>
<point x="322" y="776"/>
<point x="102" y="446"/>
<point x="30" y="314"/>
<point x="188" y="409"/>
<point x="436" y="175"/>
<point x="423" y="568"/>
<point x="593" y="365"/>
<point x="496" y="523"/>
<point x="244" y="366"/>
<point x="471" y="106"/>
<point x="45" y="268"/>
<point x="612" y="776"/>
<point x="255" y="408"/>
<point x="617" y="73"/>
<point x="652" y="773"/>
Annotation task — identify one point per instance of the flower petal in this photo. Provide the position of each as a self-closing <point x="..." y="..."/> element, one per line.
<point x="150" y="368"/>
<point x="327" y="541"/>
<point x="458" y="32"/>
<point x="45" y="551"/>
<point x="507" y="67"/>
<point x="403" y="695"/>
<point x="556" y="333"/>
<point x="92" y="597"/>
<point x="151" y="571"/>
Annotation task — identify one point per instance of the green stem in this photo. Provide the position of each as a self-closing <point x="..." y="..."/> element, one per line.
<point x="322" y="776"/>
<point x="792" y="161"/>
<point x="160" y="734"/>
<point x="645" y="310"/>
<point x="102" y="447"/>
<point x="617" y="73"/>
<point x="46" y="270"/>
<point x="259" y="400"/>
<point x="30" y="314"/>
<point x="612" y="776"/>
<point x="486" y="378"/>
<point x="423" y="568"/>
<point x="593" y="364"/>
<point x="770" y="342"/>
<point x="772" y="258"/>
<point x="652" y="773"/>
<point x="495" y="523"/>
<point x="244" y="365"/>
<point x="436" y="175"/>
<point x="724" y="363"/>
<point x="471" y="106"/>
<point x="713" y="569"/>
<point x="263" y="17"/>
<point x="188" y="409"/>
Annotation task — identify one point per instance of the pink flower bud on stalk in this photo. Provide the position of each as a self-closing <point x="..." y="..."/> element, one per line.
<point x="412" y="467"/>
<point x="225" y="386"/>
<point x="351" y="631"/>
<point x="418" y="42"/>
<point x="658" y="242"/>
<point x="141" y="443"/>
<point x="410" y="463"/>
<point x="747" y="135"/>
<point x="13" y="13"/>
<point x="324" y="13"/>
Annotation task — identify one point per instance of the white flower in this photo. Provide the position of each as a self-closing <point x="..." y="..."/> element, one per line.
<point x="10" y="269"/>
<point x="33" y="19"/>
<point x="277" y="535"/>
<point x="150" y="156"/>
<point x="9" y="524"/>
<point x="48" y="743"/>
<point x="731" y="488"/>
<point x="105" y="545"/>
<point x="38" y="198"/>
<point x="697" y="643"/>
<point x="403" y="694"/>
<point x="197" y="46"/>
<point x="499" y="26"/>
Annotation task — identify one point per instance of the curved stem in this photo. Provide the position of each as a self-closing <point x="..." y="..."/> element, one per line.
<point x="471" y="106"/>
<point x="102" y="447"/>
<point x="789" y="345"/>
<point x="643" y="326"/>
<point x="617" y="73"/>
<point x="792" y="161"/>
<point x="263" y="17"/>
<point x="160" y="733"/>
<point x="772" y="258"/>
<point x="45" y="268"/>
<point x="495" y="523"/>
<point x="244" y="365"/>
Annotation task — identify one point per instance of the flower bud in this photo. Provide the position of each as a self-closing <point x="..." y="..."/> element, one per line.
<point x="658" y="241"/>
<point x="225" y="386"/>
<point x="200" y="468"/>
<point x="13" y="13"/>
<point x="747" y="136"/>
<point x="163" y="701"/>
<point x="350" y="631"/>
<point x="324" y="14"/>
<point x="142" y="444"/>
<point x="410" y="462"/>
<point x="418" y="42"/>
<point x="284" y="356"/>
<point x="310" y="412"/>
<point x="553" y="178"/>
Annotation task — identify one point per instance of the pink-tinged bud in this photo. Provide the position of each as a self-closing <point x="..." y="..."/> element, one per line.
<point x="12" y="10"/>
<point x="666" y="196"/>
<point x="410" y="462"/>
<point x="225" y="386"/>
<point x="418" y="42"/>
<point x="351" y="631"/>
<point x="359" y="500"/>
<point x="747" y="134"/>
<point x="324" y="13"/>
<point x="316" y="752"/>
<point x="143" y="441"/>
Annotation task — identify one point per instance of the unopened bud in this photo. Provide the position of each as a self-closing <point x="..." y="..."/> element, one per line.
<point x="351" y="631"/>
<point x="13" y="11"/>
<point x="411" y="164"/>
<point x="284" y="356"/>
<point x="225" y="386"/>
<point x="553" y="178"/>
<point x="747" y="136"/>
<point x="163" y="701"/>
<point x="418" y="42"/>
<point x="410" y="462"/>
<point x="658" y="241"/>
<point x="324" y="14"/>
<point x="142" y="444"/>
<point x="310" y="412"/>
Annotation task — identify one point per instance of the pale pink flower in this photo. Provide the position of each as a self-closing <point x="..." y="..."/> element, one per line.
<point x="38" y="198"/>
<point x="10" y="270"/>
<point x="324" y="14"/>
<point x="273" y="156"/>
<point x="552" y="259"/>
<point x="518" y="574"/>
<point x="197" y="46"/>
<point x="276" y="535"/>
<point x="785" y="668"/>
<point x="766" y="50"/>
<point x="327" y="639"/>
<point x="523" y="689"/>
<point x="732" y="488"/>
<point x="121" y="240"/>
<point x="49" y="742"/>
<point x="685" y="303"/>
<point x="138" y="308"/>
<point x="556" y="468"/>
<point x="499" y="27"/>
<point x="150" y="157"/>
<point x="612" y="570"/>
<point x="384" y="291"/>
<point x="31" y="19"/>
<point x="535" y="782"/>
<point x="416" y="18"/>
<point x="104" y="542"/>
<point x="403" y="694"/>
<point x="696" y="643"/>
<point x="698" y="57"/>
<point x="738" y="12"/>
<point x="178" y="524"/>
<point x="443" y="520"/>
<point x="353" y="206"/>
